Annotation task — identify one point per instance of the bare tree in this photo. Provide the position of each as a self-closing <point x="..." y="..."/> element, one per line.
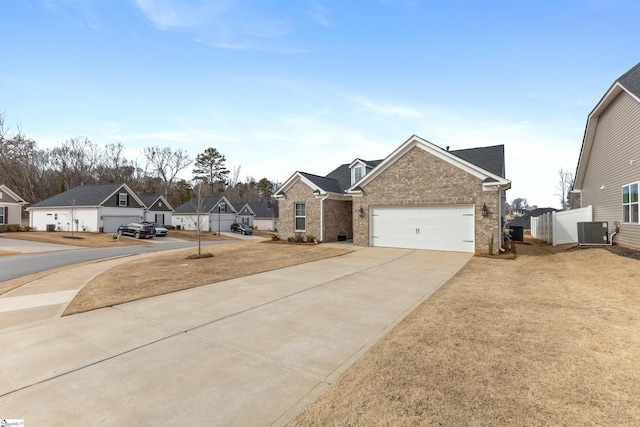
<point x="23" y="166"/>
<point x="167" y="163"/>
<point x="76" y="160"/>
<point x="565" y="184"/>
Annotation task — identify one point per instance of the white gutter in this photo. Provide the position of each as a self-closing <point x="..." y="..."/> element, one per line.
<point x="322" y="216"/>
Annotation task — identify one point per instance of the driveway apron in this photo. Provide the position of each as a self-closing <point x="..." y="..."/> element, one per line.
<point x="249" y="351"/>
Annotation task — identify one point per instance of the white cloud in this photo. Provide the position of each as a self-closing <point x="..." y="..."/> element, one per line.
<point x="319" y="14"/>
<point x="222" y="23"/>
<point x="181" y="14"/>
<point x="386" y="109"/>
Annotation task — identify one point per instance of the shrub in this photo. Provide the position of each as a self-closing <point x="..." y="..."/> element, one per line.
<point x="275" y="237"/>
<point x="298" y="238"/>
<point x="310" y="238"/>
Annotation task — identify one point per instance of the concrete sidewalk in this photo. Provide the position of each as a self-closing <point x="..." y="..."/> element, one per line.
<point x="29" y="247"/>
<point x="249" y="351"/>
<point x="48" y="297"/>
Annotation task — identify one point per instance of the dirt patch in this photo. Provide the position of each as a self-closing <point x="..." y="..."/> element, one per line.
<point x="172" y="271"/>
<point x="547" y="339"/>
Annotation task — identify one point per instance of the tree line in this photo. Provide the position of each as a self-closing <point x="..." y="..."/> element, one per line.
<point x="39" y="173"/>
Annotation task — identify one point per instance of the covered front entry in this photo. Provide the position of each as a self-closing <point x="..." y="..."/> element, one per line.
<point x="443" y="228"/>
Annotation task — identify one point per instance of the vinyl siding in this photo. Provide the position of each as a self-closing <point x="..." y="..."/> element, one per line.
<point x="616" y="143"/>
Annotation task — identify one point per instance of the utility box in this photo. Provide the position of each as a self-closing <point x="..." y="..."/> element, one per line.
<point x="593" y="233"/>
<point x="517" y="233"/>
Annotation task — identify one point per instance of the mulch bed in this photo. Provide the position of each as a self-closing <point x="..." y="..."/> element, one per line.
<point x="618" y="250"/>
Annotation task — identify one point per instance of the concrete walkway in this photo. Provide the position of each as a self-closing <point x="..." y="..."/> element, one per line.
<point x="47" y="298"/>
<point x="29" y="247"/>
<point x="249" y="351"/>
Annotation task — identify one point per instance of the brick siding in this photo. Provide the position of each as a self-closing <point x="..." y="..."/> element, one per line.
<point x="421" y="179"/>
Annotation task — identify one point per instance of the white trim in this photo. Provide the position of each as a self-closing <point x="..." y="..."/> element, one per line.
<point x="416" y="141"/>
<point x="590" y="129"/>
<point x="17" y="199"/>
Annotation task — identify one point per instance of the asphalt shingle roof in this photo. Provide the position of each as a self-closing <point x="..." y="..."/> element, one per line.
<point x="490" y="159"/>
<point x="631" y="80"/>
<point x="84" y="195"/>
<point x="264" y="209"/>
<point x="149" y="200"/>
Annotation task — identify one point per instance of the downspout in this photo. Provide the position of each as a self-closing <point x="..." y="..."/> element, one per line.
<point x="322" y="217"/>
<point x="500" y="230"/>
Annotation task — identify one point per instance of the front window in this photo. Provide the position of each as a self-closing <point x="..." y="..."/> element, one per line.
<point x="630" y="203"/>
<point x="223" y="207"/>
<point x="122" y="199"/>
<point x="3" y="210"/>
<point x="301" y="217"/>
<point x="357" y="174"/>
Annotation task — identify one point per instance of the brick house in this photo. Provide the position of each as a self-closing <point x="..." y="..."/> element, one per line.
<point x="421" y="196"/>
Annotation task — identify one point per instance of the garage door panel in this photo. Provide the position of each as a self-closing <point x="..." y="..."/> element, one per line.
<point x="450" y="228"/>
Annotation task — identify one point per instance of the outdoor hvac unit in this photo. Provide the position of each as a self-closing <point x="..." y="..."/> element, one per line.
<point x="593" y="233"/>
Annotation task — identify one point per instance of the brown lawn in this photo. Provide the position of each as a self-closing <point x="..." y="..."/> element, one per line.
<point x="550" y="338"/>
<point x="102" y="240"/>
<point x="173" y="271"/>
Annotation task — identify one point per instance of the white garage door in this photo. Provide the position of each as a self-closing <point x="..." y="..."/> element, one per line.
<point x="111" y="223"/>
<point x="442" y="228"/>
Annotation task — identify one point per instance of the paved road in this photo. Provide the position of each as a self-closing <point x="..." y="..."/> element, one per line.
<point x="13" y="266"/>
<point x="252" y="351"/>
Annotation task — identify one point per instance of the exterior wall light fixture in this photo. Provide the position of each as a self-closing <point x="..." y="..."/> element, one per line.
<point x="485" y="210"/>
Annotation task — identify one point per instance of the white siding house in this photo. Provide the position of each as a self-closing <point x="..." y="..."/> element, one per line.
<point x="92" y="208"/>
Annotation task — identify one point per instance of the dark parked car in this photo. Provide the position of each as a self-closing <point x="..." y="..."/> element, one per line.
<point x="137" y="230"/>
<point x="161" y="231"/>
<point x="241" y="228"/>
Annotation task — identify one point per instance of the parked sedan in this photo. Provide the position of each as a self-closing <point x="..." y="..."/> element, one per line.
<point x="160" y="230"/>
<point x="137" y="230"/>
<point x="241" y="228"/>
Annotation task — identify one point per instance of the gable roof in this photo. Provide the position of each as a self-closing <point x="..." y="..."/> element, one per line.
<point x="487" y="163"/>
<point x="628" y="83"/>
<point x="264" y="209"/>
<point x="207" y="204"/>
<point x="13" y="195"/>
<point x="85" y="195"/>
<point x="486" y="156"/>
<point x="149" y="201"/>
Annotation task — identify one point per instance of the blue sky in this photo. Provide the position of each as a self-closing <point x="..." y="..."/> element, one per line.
<point x="280" y="86"/>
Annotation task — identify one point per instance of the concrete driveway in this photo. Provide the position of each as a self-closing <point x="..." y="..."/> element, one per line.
<point x="246" y="352"/>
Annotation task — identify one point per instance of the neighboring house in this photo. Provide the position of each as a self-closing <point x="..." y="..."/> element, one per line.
<point x="421" y="196"/>
<point x="10" y="207"/>
<point x="215" y="214"/>
<point x="97" y="208"/>
<point x="260" y="215"/>
<point x="608" y="172"/>
<point x="524" y="220"/>
<point x="157" y="209"/>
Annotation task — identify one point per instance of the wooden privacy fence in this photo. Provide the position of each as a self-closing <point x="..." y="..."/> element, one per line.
<point x="559" y="228"/>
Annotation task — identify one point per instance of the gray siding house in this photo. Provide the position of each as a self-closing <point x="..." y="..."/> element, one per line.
<point x="205" y="213"/>
<point x="157" y="209"/>
<point x="10" y="207"/>
<point x="421" y="196"/>
<point x="608" y="172"/>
